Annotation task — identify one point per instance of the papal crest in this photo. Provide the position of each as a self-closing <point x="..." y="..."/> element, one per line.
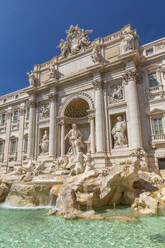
<point x="77" y="40"/>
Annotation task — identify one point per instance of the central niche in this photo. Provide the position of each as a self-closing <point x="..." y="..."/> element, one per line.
<point x="77" y="113"/>
<point x="77" y="108"/>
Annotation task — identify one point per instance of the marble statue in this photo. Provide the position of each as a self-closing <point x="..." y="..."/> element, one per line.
<point x="65" y="49"/>
<point x="96" y="54"/>
<point x="119" y="133"/>
<point x="77" y="39"/>
<point x="75" y="139"/>
<point x="89" y="164"/>
<point x="127" y="42"/>
<point x="53" y="71"/>
<point x="45" y="142"/>
<point x="79" y="165"/>
<point x="32" y="78"/>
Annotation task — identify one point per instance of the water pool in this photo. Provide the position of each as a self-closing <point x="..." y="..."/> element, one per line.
<point x="32" y="229"/>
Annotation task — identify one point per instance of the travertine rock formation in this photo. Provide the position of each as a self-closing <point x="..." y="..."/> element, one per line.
<point x="4" y="189"/>
<point x="30" y="195"/>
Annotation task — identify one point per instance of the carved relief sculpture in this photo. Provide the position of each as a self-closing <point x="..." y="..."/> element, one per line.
<point x="44" y="111"/>
<point x="45" y="142"/>
<point x="119" y="133"/>
<point x="76" y="40"/>
<point x="116" y="93"/>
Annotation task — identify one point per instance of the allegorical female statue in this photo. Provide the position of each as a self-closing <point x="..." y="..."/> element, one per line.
<point x="45" y="142"/>
<point x="119" y="133"/>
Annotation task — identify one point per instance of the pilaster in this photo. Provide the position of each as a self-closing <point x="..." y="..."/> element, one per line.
<point x="7" y="139"/>
<point x="21" y="132"/>
<point x="31" y="131"/>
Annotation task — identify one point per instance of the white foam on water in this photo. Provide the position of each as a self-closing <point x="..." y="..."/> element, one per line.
<point x="8" y="206"/>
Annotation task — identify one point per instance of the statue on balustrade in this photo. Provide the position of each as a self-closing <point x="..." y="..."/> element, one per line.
<point x="119" y="133"/>
<point x="127" y="42"/>
<point x="45" y="142"/>
<point x="75" y="139"/>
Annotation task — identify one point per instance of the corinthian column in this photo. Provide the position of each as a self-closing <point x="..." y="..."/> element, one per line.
<point x="62" y="138"/>
<point x="99" y="120"/>
<point x="7" y="139"/>
<point x="129" y="78"/>
<point x="21" y="132"/>
<point x="52" y="127"/>
<point x="31" y="131"/>
<point x="92" y="134"/>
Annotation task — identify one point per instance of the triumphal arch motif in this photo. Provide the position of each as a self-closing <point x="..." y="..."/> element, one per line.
<point x="104" y="99"/>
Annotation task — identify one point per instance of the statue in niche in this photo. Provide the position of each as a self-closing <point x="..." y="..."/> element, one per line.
<point x="44" y="111"/>
<point x="75" y="139"/>
<point x="117" y="93"/>
<point x="119" y="133"/>
<point x="45" y="142"/>
<point x="127" y="42"/>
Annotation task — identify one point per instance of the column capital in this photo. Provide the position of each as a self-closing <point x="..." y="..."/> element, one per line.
<point x="129" y="75"/>
<point x="9" y="112"/>
<point x="52" y="96"/>
<point x="97" y="81"/>
<point x="32" y="103"/>
<point x="22" y="109"/>
<point x="132" y="75"/>
<point x="91" y="117"/>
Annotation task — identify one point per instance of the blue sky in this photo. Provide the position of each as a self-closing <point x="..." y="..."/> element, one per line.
<point x="30" y="30"/>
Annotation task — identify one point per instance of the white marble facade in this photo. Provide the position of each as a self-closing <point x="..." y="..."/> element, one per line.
<point x="111" y="88"/>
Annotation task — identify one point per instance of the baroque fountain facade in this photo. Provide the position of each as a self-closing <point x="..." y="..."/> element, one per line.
<point x="90" y="128"/>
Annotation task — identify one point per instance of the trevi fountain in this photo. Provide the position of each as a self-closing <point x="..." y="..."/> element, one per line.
<point x="82" y="149"/>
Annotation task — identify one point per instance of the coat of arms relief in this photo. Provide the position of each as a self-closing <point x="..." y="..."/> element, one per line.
<point x="77" y="40"/>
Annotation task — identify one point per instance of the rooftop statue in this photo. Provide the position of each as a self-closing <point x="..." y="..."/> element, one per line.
<point x="77" y="39"/>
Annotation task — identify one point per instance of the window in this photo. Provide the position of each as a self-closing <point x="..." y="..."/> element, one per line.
<point x="15" y="115"/>
<point x="161" y="163"/>
<point x="3" y="118"/>
<point x="13" y="145"/>
<point x="1" y="147"/>
<point x="149" y="52"/>
<point x="152" y="79"/>
<point x="157" y="126"/>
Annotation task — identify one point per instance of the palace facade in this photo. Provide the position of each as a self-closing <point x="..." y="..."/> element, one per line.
<point x="111" y="88"/>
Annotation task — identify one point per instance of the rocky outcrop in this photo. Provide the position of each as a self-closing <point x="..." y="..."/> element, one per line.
<point x="98" y="188"/>
<point x="4" y="190"/>
<point x="30" y="195"/>
<point x="149" y="203"/>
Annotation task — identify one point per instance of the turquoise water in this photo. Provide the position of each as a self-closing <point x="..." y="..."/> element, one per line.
<point x="32" y="229"/>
